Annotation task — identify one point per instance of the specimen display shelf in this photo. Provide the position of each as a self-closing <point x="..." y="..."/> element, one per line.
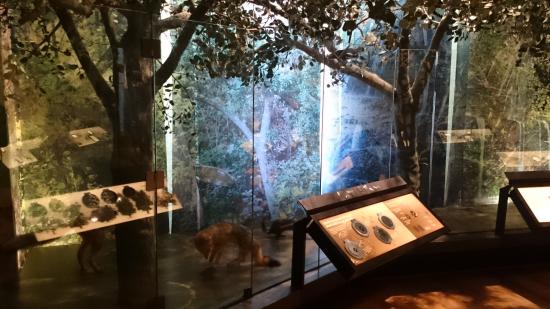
<point x="530" y="192"/>
<point x="76" y="197"/>
<point x="525" y="159"/>
<point x="88" y="136"/>
<point x="363" y="227"/>
<point x="19" y="153"/>
<point x="459" y="136"/>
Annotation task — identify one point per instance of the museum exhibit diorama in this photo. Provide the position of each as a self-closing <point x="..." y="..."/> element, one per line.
<point x="199" y="153"/>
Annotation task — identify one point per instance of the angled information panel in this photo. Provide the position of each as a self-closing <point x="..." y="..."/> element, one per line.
<point x="366" y="226"/>
<point x="530" y="192"/>
<point x="538" y="201"/>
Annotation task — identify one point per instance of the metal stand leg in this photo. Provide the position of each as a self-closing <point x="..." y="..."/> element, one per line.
<point x="501" y="210"/>
<point x="298" y="254"/>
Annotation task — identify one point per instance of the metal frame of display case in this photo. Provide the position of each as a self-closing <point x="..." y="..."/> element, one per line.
<point x="341" y="202"/>
<point x="518" y="180"/>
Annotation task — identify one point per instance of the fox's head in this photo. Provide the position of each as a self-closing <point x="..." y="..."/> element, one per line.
<point x="203" y="243"/>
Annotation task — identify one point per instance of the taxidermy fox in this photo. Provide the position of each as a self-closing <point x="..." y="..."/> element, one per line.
<point x="91" y="241"/>
<point x="212" y="241"/>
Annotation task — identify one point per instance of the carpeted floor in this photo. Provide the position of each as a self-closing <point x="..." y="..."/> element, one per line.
<point x="507" y="288"/>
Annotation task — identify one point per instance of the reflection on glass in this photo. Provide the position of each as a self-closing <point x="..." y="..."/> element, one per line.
<point x="204" y="142"/>
<point x="357" y="132"/>
<point x="241" y="157"/>
<point x="495" y="126"/>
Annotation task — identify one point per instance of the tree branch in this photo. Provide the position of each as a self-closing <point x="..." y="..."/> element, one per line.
<point x="173" y="22"/>
<point x="86" y="7"/>
<point x="101" y="87"/>
<point x="403" y="80"/>
<point x="79" y="7"/>
<point x="368" y="77"/>
<point x="427" y="63"/>
<point x="184" y="37"/>
<point x="109" y="31"/>
<point x="48" y="37"/>
<point x="247" y="132"/>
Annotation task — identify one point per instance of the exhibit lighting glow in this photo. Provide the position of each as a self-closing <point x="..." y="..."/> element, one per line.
<point x="486" y="296"/>
<point x="93" y="219"/>
<point x="331" y="125"/>
<point x="166" y="49"/>
<point x="450" y="117"/>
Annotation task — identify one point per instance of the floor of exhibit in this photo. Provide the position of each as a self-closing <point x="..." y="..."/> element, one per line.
<point x="511" y="287"/>
<point x="51" y="278"/>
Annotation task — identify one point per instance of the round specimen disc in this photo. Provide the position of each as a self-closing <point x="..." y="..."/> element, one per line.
<point x="90" y="200"/>
<point x="354" y="249"/>
<point x="386" y="221"/>
<point x="382" y="235"/>
<point x="109" y="196"/>
<point x="359" y="227"/>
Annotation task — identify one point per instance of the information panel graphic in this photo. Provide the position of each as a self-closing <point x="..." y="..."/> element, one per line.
<point x="373" y="230"/>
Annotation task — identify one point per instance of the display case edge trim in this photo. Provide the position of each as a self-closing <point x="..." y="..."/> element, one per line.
<point x="528" y="178"/>
<point x="321" y="203"/>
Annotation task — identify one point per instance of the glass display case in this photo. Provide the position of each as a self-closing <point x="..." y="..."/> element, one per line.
<point x="145" y="164"/>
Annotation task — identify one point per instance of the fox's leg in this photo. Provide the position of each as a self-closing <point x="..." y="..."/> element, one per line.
<point x="240" y="257"/>
<point x="95" y="247"/>
<point x="257" y="253"/>
<point x="213" y="254"/>
<point x="82" y="252"/>
<point x="218" y="256"/>
<point x="243" y="254"/>
<point x="92" y="240"/>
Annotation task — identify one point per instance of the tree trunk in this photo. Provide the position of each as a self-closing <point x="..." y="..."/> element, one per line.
<point x="187" y="188"/>
<point x="261" y="154"/>
<point x="405" y="123"/>
<point x="8" y="260"/>
<point x="131" y="159"/>
<point x="405" y="118"/>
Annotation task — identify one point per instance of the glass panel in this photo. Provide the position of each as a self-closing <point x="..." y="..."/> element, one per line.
<point x="79" y="115"/>
<point x="357" y="130"/>
<point x="495" y="126"/>
<point x="357" y="120"/>
<point x="287" y="113"/>
<point x="205" y="143"/>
